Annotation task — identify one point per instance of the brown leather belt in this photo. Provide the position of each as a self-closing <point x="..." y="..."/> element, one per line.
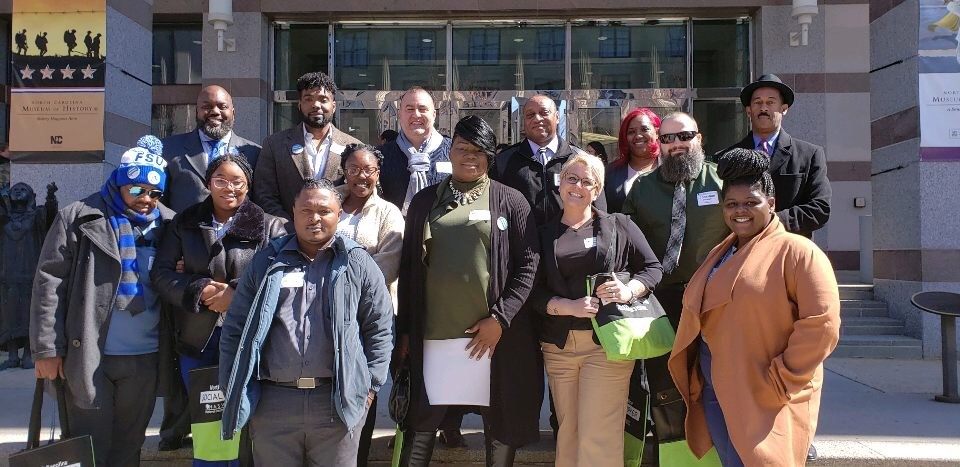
<point x="301" y="383"/>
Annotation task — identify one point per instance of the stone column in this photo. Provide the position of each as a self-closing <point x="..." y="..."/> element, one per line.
<point x="917" y="206"/>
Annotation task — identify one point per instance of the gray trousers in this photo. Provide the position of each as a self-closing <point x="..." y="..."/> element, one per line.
<point x="292" y="427"/>
<point x="127" y="400"/>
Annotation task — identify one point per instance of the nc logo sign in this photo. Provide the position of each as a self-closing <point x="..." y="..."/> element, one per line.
<point x="56" y="139"/>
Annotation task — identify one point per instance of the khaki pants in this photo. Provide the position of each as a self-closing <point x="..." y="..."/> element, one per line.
<point x="590" y="394"/>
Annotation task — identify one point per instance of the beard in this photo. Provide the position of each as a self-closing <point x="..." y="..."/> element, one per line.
<point x="681" y="165"/>
<point x="313" y="122"/>
<point x="215" y="131"/>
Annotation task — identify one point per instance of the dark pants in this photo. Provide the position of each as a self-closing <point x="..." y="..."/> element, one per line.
<point x="127" y="400"/>
<point x="366" y="434"/>
<point x="292" y="427"/>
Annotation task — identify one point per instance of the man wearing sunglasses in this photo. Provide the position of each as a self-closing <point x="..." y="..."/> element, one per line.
<point x="798" y="168"/>
<point x="95" y="317"/>
<point x="677" y="207"/>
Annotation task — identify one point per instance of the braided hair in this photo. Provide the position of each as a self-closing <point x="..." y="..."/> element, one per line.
<point x="747" y="167"/>
<point x="230" y="156"/>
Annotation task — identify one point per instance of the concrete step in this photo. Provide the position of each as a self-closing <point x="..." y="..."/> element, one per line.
<point x="856" y="292"/>
<point x="865" y="326"/>
<point x="879" y="346"/>
<point x="860" y="303"/>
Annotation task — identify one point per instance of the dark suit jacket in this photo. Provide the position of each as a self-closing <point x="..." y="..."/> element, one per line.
<point x="517" y="168"/>
<point x="616" y="176"/>
<point x="280" y="173"/>
<point x="799" y="172"/>
<point x="187" y="165"/>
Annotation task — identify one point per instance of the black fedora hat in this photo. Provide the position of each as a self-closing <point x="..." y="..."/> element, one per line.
<point x="767" y="81"/>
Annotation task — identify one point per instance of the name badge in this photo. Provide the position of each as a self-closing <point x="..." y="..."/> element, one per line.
<point x="590" y="242"/>
<point x="556" y="179"/>
<point x="480" y="215"/>
<point x="707" y="198"/>
<point x="443" y="167"/>
<point x="292" y="279"/>
<point x="150" y="263"/>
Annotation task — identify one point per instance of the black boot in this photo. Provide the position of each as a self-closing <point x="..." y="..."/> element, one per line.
<point x="499" y="454"/>
<point x="417" y="448"/>
<point x="27" y="361"/>
<point x="13" y="357"/>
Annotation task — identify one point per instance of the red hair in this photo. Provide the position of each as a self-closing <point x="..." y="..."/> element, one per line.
<point x="624" y="146"/>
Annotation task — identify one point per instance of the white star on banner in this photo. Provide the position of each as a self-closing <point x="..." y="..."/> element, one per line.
<point x="67" y="72"/>
<point x="26" y="72"/>
<point x="47" y="72"/>
<point x="88" y="72"/>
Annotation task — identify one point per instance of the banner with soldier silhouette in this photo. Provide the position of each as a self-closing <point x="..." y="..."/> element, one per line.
<point x="58" y="67"/>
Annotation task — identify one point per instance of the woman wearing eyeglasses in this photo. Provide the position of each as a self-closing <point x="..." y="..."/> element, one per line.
<point x="589" y="391"/>
<point x="216" y="238"/>
<point x="95" y="317"/>
<point x="377" y="225"/>
<point x="639" y="155"/>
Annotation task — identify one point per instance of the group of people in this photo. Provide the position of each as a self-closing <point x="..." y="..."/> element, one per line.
<point x="92" y="42"/>
<point x="308" y="268"/>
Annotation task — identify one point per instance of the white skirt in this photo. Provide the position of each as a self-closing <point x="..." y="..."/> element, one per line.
<point x="451" y="377"/>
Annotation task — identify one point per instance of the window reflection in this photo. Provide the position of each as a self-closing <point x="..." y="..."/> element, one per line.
<point x="176" y="53"/>
<point x="390" y="58"/>
<point x="649" y="55"/>
<point x="169" y="120"/>
<point x="508" y="57"/>
<point x="299" y="49"/>
<point x="721" y="53"/>
<point x="722" y="122"/>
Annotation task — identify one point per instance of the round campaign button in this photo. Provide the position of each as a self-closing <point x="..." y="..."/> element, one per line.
<point x="296" y="149"/>
<point x="502" y="223"/>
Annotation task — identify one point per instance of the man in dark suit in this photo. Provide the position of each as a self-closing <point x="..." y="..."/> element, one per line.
<point x="188" y="154"/>
<point x="798" y="168"/>
<point x="532" y="166"/>
<point x="309" y="150"/>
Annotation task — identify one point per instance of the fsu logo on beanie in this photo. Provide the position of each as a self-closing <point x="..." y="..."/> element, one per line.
<point x="143" y="165"/>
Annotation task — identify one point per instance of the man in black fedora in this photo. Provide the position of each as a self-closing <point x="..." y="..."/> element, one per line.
<point x="798" y="168"/>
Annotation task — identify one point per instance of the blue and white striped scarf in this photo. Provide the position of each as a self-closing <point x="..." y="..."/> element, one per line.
<point x="129" y="291"/>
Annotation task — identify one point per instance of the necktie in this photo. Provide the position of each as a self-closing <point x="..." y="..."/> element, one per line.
<point x="542" y="155"/>
<point x="678" y="224"/>
<point x="216" y="150"/>
<point x="767" y="148"/>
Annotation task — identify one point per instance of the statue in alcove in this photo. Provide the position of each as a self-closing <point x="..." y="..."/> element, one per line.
<point x="24" y="226"/>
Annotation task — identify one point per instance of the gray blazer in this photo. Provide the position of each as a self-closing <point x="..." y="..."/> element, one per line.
<point x="280" y="173"/>
<point x="187" y="164"/>
<point x="73" y="293"/>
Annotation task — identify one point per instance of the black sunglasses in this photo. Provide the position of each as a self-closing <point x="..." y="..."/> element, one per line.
<point x="136" y="191"/>
<point x="668" y="138"/>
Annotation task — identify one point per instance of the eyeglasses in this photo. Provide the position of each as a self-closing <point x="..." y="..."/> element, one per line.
<point x="221" y="183"/>
<point x="668" y="138"/>
<point x="584" y="182"/>
<point x="137" y="191"/>
<point x="355" y="171"/>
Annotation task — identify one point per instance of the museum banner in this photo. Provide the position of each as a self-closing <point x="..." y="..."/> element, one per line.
<point x="939" y="80"/>
<point x="57" y="66"/>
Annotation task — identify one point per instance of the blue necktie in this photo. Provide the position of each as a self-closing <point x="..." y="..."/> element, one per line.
<point x="216" y="150"/>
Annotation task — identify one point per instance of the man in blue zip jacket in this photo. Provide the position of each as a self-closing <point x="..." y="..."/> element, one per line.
<point x="306" y="341"/>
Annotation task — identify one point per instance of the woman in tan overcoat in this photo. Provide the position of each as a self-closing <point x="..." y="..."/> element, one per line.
<point x="759" y="318"/>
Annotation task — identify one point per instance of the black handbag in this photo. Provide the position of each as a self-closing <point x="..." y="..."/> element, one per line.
<point x="77" y="451"/>
<point x="400" y="396"/>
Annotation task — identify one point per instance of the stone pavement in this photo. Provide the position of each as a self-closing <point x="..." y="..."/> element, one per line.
<point x="874" y="413"/>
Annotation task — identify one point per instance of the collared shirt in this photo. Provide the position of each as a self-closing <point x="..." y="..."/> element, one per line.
<point x="221" y="229"/>
<point x="319" y="154"/>
<point x="552" y="148"/>
<point x="771" y="142"/>
<point x="208" y="144"/>
<point x="300" y="341"/>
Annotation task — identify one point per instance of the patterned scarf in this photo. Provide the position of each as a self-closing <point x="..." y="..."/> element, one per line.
<point x="129" y="291"/>
<point x="418" y="163"/>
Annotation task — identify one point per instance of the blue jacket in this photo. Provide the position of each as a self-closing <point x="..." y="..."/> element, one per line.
<point x="362" y="335"/>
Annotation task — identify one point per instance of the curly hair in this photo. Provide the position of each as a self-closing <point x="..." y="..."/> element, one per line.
<point x="316" y="79"/>
<point x="747" y="167"/>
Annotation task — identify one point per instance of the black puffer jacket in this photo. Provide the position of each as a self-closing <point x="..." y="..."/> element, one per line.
<point x="191" y="236"/>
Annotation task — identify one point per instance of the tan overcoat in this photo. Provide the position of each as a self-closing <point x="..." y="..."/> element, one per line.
<point x="771" y="315"/>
